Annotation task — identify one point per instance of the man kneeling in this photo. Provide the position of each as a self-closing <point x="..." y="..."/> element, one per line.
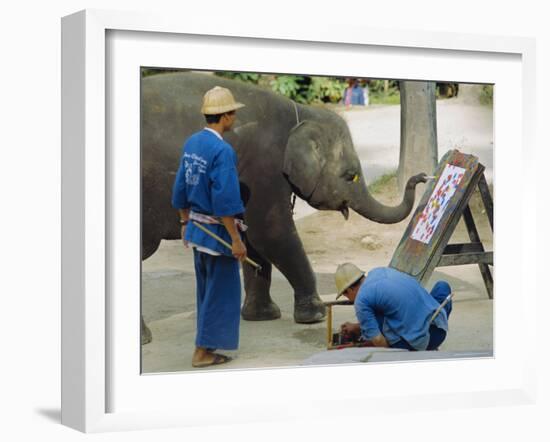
<point x="393" y="309"/>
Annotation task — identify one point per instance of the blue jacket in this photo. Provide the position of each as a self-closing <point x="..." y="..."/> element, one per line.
<point x="397" y="303"/>
<point x="207" y="182"/>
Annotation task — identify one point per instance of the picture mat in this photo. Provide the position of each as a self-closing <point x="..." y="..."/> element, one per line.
<point x="185" y="392"/>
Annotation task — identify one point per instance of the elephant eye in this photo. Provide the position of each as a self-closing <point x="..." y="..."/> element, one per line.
<point x="351" y="176"/>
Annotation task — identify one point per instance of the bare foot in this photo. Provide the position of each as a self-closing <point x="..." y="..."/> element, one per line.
<point x="204" y="358"/>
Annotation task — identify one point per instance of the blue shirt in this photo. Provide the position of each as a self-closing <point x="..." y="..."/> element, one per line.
<point x="397" y="303"/>
<point x="207" y="182"/>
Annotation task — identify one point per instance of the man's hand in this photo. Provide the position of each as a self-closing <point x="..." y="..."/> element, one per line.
<point x="184" y="218"/>
<point x="237" y="245"/>
<point x="185" y="243"/>
<point x="238" y="249"/>
<point x="351" y="328"/>
<point x="380" y="341"/>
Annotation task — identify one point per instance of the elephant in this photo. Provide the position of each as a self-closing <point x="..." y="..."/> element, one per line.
<point x="283" y="148"/>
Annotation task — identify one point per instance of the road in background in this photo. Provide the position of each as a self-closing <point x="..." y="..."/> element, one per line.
<point x="376" y="135"/>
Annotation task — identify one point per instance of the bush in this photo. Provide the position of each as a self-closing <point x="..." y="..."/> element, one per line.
<point x="392" y="97"/>
<point x="309" y="90"/>
<point x="305" y="89"/>
<point x="242" y="76"/>
<point x="486" y="96"/>
<point x="384" y="92"/>
<point x="289" y="86"/>
<point x="147" y="72"/>
<point x="325" y="90"/>
<point x="302" y="89"/>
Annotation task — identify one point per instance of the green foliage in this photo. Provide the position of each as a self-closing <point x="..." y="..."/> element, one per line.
<point x="309" y="90"/>
<point x="379" y="86"/>
<point x="325" y="90"/>
<point x="384" y="92"/>
<point x="381" y="93"/>
<point x="241" y="76"/>
<point x="446" y="90"/>
<point x="147" y="72"/>
<point x="305" y="89"/>
<point x="302" y="89"/>
<point x="486" y="94"/>
<point x="381" y="184"/>
<point x="392" y="97"/>
<point x="289" y="86"/>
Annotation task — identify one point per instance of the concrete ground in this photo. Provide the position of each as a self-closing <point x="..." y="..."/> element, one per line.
<point x="169" y="310"/>
<point x="168" y="286"/>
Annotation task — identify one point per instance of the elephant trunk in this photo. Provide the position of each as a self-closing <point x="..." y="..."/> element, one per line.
<point x="365" y="205"/>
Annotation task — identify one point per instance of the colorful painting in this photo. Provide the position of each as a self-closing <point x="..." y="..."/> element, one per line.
<point x="439" y="199"/>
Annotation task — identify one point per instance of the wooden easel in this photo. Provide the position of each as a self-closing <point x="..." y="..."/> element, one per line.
<point x="472" y="252"/>
<point x="420" y="260"/>
<point x="440" y="253"/>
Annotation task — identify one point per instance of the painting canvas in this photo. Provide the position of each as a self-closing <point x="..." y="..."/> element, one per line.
<point x="437" y="204"/>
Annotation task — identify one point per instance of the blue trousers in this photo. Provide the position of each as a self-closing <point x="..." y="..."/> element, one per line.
<point x="218" y="301"/>
<point x="440" y="291"/>
<point x="437" y="336"/>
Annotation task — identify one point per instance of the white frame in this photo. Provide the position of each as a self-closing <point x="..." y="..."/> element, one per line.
<point x="84" y="234"/>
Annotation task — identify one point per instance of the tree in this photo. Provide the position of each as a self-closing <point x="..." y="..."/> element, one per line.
<point x="418" y="151"/>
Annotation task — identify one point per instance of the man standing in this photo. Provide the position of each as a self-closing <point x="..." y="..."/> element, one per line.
<point x="393" y="309"/>
<point x="206" y="190"/>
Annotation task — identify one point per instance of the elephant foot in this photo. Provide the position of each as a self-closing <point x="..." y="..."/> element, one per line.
<point x="309" y="311"/>
<point x="254" y="310"/>
<point x="146" y="335"/>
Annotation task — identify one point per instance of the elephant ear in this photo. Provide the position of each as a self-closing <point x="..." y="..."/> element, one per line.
<point x="303" y="159"/>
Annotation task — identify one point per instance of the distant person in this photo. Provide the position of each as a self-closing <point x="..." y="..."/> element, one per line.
<point x="393" y="309"/>
<point x="365" y="86"/>
<point x="353" y="94"/>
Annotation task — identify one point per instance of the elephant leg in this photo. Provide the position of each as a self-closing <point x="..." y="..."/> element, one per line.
<point x="283" y="248"/>
<point x="146" y="335"/>
<point x="258" y="305"/>
<point x="294" y="264"/>
<point x="148" y="247"/>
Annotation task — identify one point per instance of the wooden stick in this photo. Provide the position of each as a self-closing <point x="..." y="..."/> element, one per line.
<point x="226" y="244"/>
<point x="329" y="327"/>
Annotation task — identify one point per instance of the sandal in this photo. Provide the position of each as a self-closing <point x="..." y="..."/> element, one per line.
<point x="218" y="359"/>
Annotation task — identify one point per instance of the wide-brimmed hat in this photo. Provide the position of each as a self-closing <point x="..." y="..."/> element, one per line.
<point x="219" y="100"/>
<point x="346" y="275"/>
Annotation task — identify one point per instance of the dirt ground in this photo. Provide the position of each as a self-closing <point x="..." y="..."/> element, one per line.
<point x="168" y="290"/>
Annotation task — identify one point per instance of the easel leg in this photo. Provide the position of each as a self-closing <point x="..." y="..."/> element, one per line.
<point x="486" y="199"/>
<point x="474" y="237"/>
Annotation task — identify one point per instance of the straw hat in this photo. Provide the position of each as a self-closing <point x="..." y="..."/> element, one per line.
<point x="218" y="101"/>
<point x="346" y="275"/>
